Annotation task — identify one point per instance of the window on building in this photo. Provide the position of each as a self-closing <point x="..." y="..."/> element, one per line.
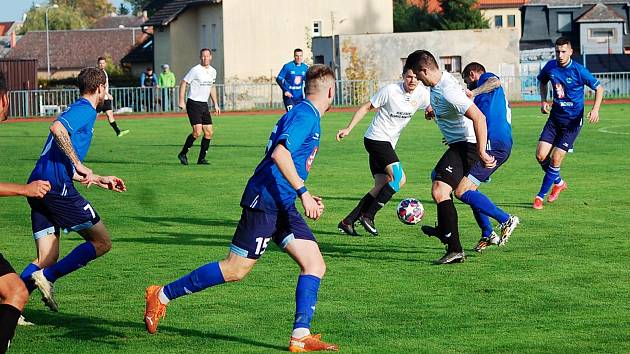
<point x="452" y="64"/>
<point x="319" y="59"/>
<point x="317" y="28"/>
<point x="498" y="21"/>
<point x="602" y="33"/>
<point x="203" y="38"/>
<point x="564" y="22"/>
<point x="511" y="21"/>
<point x="213" y="37"/>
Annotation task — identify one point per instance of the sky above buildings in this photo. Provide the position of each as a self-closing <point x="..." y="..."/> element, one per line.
<point x="13" y="10"/>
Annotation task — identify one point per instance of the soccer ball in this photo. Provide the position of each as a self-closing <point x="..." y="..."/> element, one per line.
<point x="410" y="211"/>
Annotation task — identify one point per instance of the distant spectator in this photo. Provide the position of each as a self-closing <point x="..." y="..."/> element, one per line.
<point x="167" y="82"/>
<point x="148" y="81"/>
<point x="107" y="105"/>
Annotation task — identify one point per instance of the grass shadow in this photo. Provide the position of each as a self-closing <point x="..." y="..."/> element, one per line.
<point x="175" y="221"/>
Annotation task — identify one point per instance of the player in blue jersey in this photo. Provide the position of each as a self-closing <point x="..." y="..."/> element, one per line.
<point x="291" y="80"/>
<point x="269" y="213"/>
<point x="63" y="208"/>
<point x="568" y="79"/>
<point x="13" y="293"/>
<point x="487" y="93"/>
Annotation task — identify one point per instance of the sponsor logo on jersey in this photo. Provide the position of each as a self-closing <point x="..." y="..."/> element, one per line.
<point x="310" y="159"/>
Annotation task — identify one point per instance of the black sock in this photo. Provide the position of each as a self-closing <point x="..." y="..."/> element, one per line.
<point x="9" y="316"/>
<point x="384" y="195"/>
<point x="205" y="144"/>
<point x="447" y="224"/>
<point x="115" y="127"/>
<point x="354" y="214"/>
<point x="189" y="142"/>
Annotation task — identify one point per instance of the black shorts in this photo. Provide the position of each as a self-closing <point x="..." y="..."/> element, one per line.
<point x="5" y="267"/>
<point x="381" y="154"/>
<point x="106" y="106"/>
<point x="198" y="112"/>
<point x="456" y="163"/>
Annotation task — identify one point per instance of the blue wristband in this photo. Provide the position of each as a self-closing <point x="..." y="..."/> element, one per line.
<point x="301" y="191"/>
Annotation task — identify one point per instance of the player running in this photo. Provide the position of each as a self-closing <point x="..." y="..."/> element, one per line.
<point x="291" y="80"/>
<point x="568" y="79"/>
<point x="269" y="213"/>
<point x="395" y="104"/>
<point x="490" y="98"/>
<point x="107" y="105"/>
<point x="63" y="208"/>
<point x="464" y="128"/>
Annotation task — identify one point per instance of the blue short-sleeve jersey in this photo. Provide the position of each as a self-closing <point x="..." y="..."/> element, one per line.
<point x="567" y="84"/>
<point x="298" y="130"/>
<point x="292" y="78"/>
<point x="53" y="164"/>
<point x="496" y="108"/>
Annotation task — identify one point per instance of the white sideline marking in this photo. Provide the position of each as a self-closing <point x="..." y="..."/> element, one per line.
<point x="607" y="130"/>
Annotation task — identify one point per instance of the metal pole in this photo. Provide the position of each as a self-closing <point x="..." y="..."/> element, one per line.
<point x="47" y="44"/>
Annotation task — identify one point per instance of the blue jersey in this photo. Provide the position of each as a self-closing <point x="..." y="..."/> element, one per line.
<point x="53" y="164"/>
<point x="496" y="108"/>
<point x="292" y="77"/>
<point x="298" y="130"/>
<point x="567" y="84"/>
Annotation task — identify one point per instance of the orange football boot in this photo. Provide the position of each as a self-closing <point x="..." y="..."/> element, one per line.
<point x="310" y="343"/>
<point x="155" y="310"/>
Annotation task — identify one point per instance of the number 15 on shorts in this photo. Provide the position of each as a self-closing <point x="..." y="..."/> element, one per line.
<point x="261" y="244"/>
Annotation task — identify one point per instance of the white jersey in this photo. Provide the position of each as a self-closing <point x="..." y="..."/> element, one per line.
<point x="395" y="109"/>
<point x="200" y="80"/>
<point x="450" y="103"/>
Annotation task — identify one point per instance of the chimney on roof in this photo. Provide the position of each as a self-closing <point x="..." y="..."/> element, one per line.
<point x="12" y="43"/>
<point x="145" y="16"/>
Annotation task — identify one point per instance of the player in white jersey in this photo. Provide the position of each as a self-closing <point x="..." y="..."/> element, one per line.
<point x="464" y="128"/>
<point x="395" y="104"/>
<point x="107" y="106"/>
<point x="201" y="79"/>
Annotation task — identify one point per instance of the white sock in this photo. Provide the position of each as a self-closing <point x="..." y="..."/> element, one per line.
<point x="163" y="299"/>
<point x="300" y="333"/>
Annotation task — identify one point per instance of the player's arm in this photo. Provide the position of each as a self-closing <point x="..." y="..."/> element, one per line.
<point x="109" y="182"/>
<point x="62" y="138"/>
<point x="490" y="84"/>
<point x="481" y="133"/>
<point x="356" y="118"/>
<point x="281" y="156"/>
<point x="182" y="94"/>
<point x="215" y="102"/>
<point x="593" y="115"/>
<point x="280" y="80"/>
<point x="35" y="189"/>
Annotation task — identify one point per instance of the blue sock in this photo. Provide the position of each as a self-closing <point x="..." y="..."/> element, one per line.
<point x="197" y="280"/>
<point x="26" y="276"/>
<point x="551" y="175"/>
<point x="77" y="258"/>
<point x="558" y="180"/>
<point x="305" y="300"/>
<point x="478" y="200"/>
<point x="483" y="221"/>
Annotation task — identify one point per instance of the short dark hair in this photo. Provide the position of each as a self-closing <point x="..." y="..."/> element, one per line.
<point x="149" y="68"/>
<point x="101" y="58"/>
<point x="420" y="59"/>
<point x="297" y="50"/>
<point x="3" y="83"/>
<point x="474" y="66"/>
<point x="315" y="75"/>
<point x="205" y="50"/>
<point x="90" y="79"/>
<point x="562" y="41"/>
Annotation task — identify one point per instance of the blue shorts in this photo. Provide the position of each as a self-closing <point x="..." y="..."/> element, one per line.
<point x="55" y="212"/>
<point x="480" y="173"/>
<point x="290" y="102"/>
<point x="257" y="227"/>
<point x="560" y="136"/>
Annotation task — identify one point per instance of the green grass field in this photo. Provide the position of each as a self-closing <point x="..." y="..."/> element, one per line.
<point x="561" y="285"/>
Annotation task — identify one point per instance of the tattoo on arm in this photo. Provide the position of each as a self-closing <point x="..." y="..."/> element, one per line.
<point x="491" y="84"/>
<point x="65" y="144"/>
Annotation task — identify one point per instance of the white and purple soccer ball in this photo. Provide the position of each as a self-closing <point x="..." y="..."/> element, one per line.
<point x="410" y="211"/>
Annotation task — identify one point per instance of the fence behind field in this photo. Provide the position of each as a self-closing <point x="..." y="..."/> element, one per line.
<point x="244" y="97"/>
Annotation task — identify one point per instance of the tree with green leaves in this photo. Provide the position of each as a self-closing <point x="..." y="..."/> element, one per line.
<point x="461" y="14"/>
<point x="92" y="10"/>
<point x="61" y="18"/>
<point x="123" y="10"/>
<point x="410" y="18"/>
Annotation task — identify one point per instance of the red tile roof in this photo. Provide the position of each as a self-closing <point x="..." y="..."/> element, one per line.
<point x="75" y="49"/>
<point x="4" y="27"/>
